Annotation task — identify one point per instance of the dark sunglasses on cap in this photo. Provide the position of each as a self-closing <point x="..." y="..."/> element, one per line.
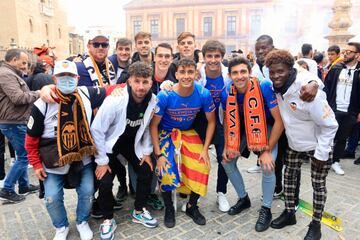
<point x="97" y="45"/>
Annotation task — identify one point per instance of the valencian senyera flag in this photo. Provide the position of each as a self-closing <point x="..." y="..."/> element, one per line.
<point x="186" y="172"/>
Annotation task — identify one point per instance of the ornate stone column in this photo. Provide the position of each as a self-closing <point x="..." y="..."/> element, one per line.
<point x="340" y="23"/>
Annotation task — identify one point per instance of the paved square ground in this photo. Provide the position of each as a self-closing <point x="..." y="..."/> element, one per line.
<point x="29" y="219"/>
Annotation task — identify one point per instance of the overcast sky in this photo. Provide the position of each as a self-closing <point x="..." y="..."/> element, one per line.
<point x="84" y="13"/>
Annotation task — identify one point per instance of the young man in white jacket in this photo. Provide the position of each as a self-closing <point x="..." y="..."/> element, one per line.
<point x="121" y="127"/>
<point x="310" y="128"/>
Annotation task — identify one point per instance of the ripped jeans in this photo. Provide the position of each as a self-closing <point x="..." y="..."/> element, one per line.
<point x="54" y="197"/>
<point x="268" y="178"/>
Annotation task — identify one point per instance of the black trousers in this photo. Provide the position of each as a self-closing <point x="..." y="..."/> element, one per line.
<point x="106" y="199"/>
<point x="346" y="123"/>
<point x="121" y="176"/>
<point x="194" y="197"/>
<point x="279" y="162"/>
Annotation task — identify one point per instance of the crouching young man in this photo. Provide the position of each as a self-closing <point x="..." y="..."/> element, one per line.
<point x="59" y="146"/>
<point x="121" y="126"/>
<point x="310" y="128"/>
<point x="173" y="137"/>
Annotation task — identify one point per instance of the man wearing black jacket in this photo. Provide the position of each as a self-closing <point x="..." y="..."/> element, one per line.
<point x="342" y="87"/>
<point x="143" y="47"/>
<point x="121" y="59"/>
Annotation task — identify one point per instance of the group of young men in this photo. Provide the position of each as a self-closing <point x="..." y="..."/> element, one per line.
<point x="160" y="112"/>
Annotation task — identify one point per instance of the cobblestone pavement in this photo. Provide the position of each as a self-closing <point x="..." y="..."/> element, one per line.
<point x="29" y="219"/>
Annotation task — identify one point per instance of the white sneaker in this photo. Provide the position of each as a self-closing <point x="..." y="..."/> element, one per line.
<point x="224" y="205"/>
<point x="84" y="230"/>
<point x="254" y="169"/>
<point x="12" y="161"/>
<point x="107" y="229"/>
<point x="337" y="168"/>
<point x="183" y="207"/>
<point x="61" y="233"/>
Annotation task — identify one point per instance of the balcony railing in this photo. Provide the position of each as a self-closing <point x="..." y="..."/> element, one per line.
<point x="46" y="9"/>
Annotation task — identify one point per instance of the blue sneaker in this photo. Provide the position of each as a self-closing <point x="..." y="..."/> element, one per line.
<point x="107" y="229"/>
<point x="144" y="218"/>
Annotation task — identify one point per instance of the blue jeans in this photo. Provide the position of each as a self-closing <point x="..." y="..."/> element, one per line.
<point x="54" y="197"/>
<point x="15" y="133"/>
<point x="268" y="178"/>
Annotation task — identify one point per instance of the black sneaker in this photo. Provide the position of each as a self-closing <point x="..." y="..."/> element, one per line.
<point x="154" y="202"/>
<point x="118" y="205"/>
<point x="169" y="218"/>
<point x="95" y="211"/>
<point x="348" y="155"/>
<point x="314" y="232"/>
<point x="195" y="214"/>
<point x="242" y="204"/>
<point x="357" y="161"/>
<point x="11" y="196"/>
<point x="264" y="219"/>
<point x="121" y="194"/>
<point x="285" y="219"/>
<point x="28" y="190"/>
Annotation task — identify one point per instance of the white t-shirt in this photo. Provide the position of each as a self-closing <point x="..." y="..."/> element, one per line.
<point x="312" y="65"/>
<point x="343" y="89"/>
<point x="119" y="71"/>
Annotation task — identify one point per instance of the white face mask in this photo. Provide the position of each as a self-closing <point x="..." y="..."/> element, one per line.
<point x="66" y="84"/>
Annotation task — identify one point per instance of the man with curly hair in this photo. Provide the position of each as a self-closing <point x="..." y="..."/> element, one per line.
<point x="310" y="128"/>
<point x="121" y="127"/>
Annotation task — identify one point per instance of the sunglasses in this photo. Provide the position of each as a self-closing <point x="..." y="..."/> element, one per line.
<point x="97" y="45"/>
<point x="347" y="52"/>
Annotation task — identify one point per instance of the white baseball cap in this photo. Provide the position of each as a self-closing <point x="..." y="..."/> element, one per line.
<point x="65" y="66"/>
<point x="98" y="36"/>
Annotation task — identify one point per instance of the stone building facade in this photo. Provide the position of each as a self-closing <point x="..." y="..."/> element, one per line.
<point x="237" y="23"/>
<point x="31" y="23"/>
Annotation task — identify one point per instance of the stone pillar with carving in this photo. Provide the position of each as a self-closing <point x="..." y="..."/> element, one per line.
<point x="340" y="23"/>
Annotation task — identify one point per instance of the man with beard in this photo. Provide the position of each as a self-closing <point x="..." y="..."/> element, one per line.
<point x="342" y="86"/>
<point x="96" y="69"/>
<point x="161" y="72"/>
<point x="16" y="100"/>
<point x="143" y="47"/>
<point x="121" y="126"/>
<point x="310" y="129"/>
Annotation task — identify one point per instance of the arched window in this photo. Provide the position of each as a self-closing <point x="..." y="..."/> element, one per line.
<point x="47" y="29"/>
<point x="31" y="26"/>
